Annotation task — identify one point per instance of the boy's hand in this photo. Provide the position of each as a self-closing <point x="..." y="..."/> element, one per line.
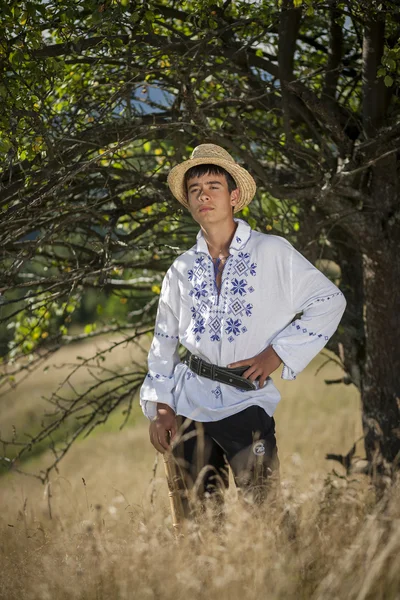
<point x="261" y="365"/>
<point x="163" y="428"/>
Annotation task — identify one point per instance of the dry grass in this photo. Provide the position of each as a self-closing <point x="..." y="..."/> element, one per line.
<point x="24" y="407"/>
<point x="110" y="536"/>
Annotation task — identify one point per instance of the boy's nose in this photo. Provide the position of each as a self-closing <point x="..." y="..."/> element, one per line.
<point x="203" y="195"/>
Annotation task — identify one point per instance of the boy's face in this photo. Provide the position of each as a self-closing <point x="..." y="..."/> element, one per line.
<point x="209" y="198"/>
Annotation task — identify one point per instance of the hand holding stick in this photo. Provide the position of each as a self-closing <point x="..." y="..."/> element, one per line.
<point x="163" y="429"/>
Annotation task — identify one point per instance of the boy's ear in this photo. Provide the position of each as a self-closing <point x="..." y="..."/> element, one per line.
<point x="235" y="196"/>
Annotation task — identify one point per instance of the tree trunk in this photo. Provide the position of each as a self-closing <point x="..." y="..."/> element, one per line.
<point x="368" y="251"/>
<point x="380" y="383"/>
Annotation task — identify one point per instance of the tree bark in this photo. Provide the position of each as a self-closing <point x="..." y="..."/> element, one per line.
<point x="373" y="88"/>
<point x="381" y="276"/>
<point x="349" y="257"/>
<point x="380" y="384"/>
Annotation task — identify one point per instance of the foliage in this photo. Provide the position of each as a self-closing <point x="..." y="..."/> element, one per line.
<point x="101" y="99"/>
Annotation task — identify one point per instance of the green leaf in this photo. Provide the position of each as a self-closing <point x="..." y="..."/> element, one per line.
<point x="16" y="57"/>
<point x="27" y="347"/>
<point x="252" y="222"/>
<point x="388" y="81"/>
<point x="5" y="145"/>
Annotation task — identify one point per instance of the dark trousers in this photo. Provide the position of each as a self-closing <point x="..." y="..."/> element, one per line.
<point x="245" y="441"/>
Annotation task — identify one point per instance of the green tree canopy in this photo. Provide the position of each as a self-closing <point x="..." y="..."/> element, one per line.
<point x="100" y="99"/>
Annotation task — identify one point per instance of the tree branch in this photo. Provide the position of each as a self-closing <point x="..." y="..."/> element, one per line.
<point x="288" y="30"/>
<point x="335" y="55"/>
<point x="374" y="94"/>
<point x="329" y="114"/>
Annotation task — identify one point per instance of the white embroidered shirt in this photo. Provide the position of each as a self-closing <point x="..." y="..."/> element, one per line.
<point x="265" y="283"/>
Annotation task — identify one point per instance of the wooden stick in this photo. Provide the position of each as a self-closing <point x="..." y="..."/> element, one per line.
<point x="175" y="488"/>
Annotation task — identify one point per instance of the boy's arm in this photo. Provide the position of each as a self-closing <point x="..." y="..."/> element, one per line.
<point x="306" y="290"/>
<point x="322" y="305"/>
<point x="163" y="355"/>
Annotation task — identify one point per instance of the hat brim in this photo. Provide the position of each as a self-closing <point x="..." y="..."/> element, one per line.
<point x="244" y="181"/>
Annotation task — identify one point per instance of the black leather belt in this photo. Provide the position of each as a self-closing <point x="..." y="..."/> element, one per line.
<point x="221" y="374"/>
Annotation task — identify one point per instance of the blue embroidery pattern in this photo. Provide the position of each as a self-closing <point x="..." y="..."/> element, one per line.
<point x="244" y="264"/>
<point x="248" y="309"/>
<point x="200" y="290"/>
<point x="305" y="330"/>
<point x="215" y="328"/>
<point x="226" y="312"/>
<point x="239" y="287"/>
<point x="312" y="333"/>
<point x="233" y="326"/>
<point x="198" y="328"/>
<point x="172" y="337"/>
<point x="159" y="376"/>
<point x="217" y="392"/>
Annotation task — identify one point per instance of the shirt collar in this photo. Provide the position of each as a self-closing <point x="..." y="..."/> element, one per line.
<point x="239" y="240"/>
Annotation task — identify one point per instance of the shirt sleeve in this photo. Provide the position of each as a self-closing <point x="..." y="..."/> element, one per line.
<point x="163" y="356"/>
<point x="322" y="305"/>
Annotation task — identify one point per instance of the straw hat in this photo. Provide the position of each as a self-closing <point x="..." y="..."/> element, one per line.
<point x="212" y="154"/>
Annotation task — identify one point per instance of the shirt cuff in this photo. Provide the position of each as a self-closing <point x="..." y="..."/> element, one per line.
<point x="149" y="407"/>
<point x="287" y="372"/>
<point x="156" y="388"/>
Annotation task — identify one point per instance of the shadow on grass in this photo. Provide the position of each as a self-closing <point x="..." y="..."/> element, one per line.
<point x="67" y="429"/>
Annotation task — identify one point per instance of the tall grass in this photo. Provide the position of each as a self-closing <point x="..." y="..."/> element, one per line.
<point x="102" y="529"/>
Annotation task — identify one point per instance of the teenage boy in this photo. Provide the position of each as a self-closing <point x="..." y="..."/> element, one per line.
<point x="231" y="301"/>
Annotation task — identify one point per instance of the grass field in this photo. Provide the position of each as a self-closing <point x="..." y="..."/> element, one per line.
<point x="102" y="529"/>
